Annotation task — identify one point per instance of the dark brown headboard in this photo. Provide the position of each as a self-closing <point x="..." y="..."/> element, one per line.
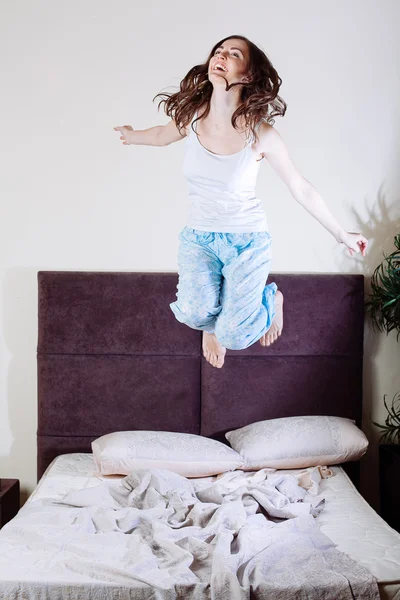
<point x="112" y="356"/>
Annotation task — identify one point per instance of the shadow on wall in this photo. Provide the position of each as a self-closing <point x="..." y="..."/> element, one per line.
<point x="19" y="325"/>
<point x="381" y="355"/>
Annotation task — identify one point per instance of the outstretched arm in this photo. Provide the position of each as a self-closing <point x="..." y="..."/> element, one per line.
<point x="272" y="147"/>
<point x="161" y="135"/>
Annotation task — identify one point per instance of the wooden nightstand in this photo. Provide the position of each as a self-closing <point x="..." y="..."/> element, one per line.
<point x="9" y="500"/>
<point x="389" y="484"/>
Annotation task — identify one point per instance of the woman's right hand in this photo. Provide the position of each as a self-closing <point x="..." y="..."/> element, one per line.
<point x="126" y="136"/>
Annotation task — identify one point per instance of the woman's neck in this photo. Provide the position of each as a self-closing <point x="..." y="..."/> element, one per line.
<point x="222" y="109"/>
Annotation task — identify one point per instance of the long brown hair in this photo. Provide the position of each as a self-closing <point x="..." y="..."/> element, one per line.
<point x="259" y="97"/>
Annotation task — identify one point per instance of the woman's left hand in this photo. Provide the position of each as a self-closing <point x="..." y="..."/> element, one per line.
<point x="355" y="242"/>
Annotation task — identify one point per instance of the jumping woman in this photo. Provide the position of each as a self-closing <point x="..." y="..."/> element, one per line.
<point x="225" y="249"/>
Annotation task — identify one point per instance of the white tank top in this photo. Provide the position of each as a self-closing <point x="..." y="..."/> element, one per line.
<point x="222" y="188"/>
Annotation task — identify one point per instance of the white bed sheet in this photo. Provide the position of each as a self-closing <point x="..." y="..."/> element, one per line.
<point x="350" y="522"/>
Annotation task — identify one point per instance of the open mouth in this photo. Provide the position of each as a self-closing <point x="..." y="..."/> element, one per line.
<point x="220" y="68"/>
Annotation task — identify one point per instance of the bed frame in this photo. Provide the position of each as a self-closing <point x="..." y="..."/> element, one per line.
<point x="111" y="356"/>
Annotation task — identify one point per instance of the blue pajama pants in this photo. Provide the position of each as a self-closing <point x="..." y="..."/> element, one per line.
<point x="221" y="287"/>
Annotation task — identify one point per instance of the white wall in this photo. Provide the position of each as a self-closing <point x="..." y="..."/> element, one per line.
<point x="74" y="198"/>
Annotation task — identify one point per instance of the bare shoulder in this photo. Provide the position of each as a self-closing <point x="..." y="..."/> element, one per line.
<point x="269" y="138"/>
<point x="170" y="133"/>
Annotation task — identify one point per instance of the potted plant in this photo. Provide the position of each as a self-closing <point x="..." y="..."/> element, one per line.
<point x="383" y="305"/>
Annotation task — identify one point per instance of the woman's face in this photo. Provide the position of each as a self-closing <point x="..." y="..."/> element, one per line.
<point x="230" y="61"/>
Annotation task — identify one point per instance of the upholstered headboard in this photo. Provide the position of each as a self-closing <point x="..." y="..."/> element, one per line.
<point x="112" y="356"/>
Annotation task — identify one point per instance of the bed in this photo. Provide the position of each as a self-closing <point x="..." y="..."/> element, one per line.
<point x="112" y="357"/>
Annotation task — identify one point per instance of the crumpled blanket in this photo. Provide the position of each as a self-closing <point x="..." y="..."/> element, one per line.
<point x="242" y="535"/>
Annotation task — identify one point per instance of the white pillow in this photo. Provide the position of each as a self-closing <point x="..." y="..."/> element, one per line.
<point x="298" y="442"/>
<point x="187" y="454"/>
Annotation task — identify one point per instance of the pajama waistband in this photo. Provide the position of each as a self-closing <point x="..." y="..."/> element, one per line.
<point x="228" y="237"/>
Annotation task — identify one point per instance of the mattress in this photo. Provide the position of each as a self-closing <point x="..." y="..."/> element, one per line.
<point x="350" y="522"/>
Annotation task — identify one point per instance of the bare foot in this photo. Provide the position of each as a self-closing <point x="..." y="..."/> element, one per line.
<point x="277" y="322"/>
<point x="213" y="350"/>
